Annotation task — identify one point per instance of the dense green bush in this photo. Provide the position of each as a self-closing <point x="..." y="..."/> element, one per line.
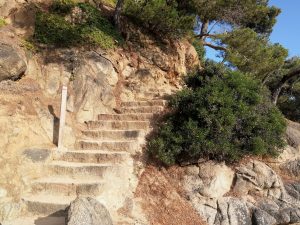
<point x="222" y="115"/>
<point x="55" y="27"/>
<point x="161" y="17"/>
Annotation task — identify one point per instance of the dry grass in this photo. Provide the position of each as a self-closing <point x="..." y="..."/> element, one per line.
<point x="161" y="202"/>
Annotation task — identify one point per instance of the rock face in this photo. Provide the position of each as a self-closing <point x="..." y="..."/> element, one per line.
<point x="257" y="177"/>
<point x="217" y="179"/>
<point x="88" y="211"/>
<point x="263" y="197"/>
<point x="210" y="179"/>
<point x="94" y="84"/>
<point x="232" y="211"/>
<point x="12" y="66"/>
<point x="292" y="167"/>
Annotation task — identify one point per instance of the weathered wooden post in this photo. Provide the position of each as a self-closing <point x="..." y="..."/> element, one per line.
<point x="62" y="118"/>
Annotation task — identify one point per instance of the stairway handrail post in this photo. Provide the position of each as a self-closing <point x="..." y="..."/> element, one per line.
<point x="62" y="118"/>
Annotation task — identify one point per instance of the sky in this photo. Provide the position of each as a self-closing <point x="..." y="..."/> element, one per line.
<point x="286" y="31"/>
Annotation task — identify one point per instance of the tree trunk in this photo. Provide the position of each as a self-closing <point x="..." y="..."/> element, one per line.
<point x="282" y="82"/>
<point x="118" y="12"/>
<point x="204" y="30"/>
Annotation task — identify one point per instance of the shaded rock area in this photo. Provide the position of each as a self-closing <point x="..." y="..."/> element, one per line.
<point x="37" y="155"/>
<point x="12" y="66"/>
<point x="88" y="211"/>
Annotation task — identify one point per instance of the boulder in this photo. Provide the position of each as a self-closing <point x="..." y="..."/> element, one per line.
<point x="292" y="167"/>
<point x="293" y="136"/>
<point x="88" y="211"/>
<point x="256" y="176"/>
<point x="216" y="179"/>
<point x="12" y="66"/>
<point x="293" y="189"/>
<point x="261" y="217"/>
<point x="232" y="211"/>
<point x="95" y="80"/>
<point x="283" y="212"/>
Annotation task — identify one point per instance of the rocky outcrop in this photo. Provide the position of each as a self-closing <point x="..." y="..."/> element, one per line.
<point x="293" y="135"/>
<point x="262" y="196"/>
<point x="292" y="167"/>
<point x="257" y="177"/>
<point x="88" y="211"/>
<point x="12" y="66"/>
<point x="94" y="84"/>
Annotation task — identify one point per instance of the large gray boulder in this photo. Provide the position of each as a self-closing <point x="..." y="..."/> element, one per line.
<point x="12" y="66"/>
<point x="232" y="211"/>
<point x="88" y="211"/>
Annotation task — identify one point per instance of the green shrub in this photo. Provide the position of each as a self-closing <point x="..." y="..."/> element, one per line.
<point x="54" y="29"/>
<point x="222" y="115"/>
<point x="161" y="17"/>
<point x="91" y="28"/>
<point x="28" y="45"/>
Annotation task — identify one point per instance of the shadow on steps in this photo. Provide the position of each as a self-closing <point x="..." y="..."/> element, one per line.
<point x="57" y="218"/>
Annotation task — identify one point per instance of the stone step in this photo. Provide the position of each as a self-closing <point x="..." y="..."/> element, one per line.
<point x="114" y="134"/>
<point x="144" y="103"/>
<point x="118" y="125"/>
<point x="127" y="117"/>
<point x="152" y="94"/>
<point x="91" y="156"/>
<point x="37" y="220"/>
<point x="68" y="186"/>
<point x="80" y="170"/>
<point x="161" y="91"/>
<point x="47" y="204"/>
<point x="142" y="109"/>
<point x="127" y="146"/>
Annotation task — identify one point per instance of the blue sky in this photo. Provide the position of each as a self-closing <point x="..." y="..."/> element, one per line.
<point x="287" y="29"/>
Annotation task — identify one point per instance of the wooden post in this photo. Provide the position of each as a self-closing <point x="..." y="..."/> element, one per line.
<point x="62" y="118"/>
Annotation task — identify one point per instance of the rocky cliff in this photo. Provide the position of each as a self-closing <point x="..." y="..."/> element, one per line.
<point x="98" y="81"/>
<point x="257" y="191"/>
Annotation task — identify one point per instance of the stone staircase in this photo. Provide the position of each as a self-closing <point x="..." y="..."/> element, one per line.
<point x="103" y="153"/>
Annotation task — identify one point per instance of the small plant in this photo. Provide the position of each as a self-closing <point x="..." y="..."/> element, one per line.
<point x="222" y="115"/>
<point x="29" y="45"/>
<point x="2" y="22"/>
<point x="109" y="2"/>
<point x="69" y="23"/>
